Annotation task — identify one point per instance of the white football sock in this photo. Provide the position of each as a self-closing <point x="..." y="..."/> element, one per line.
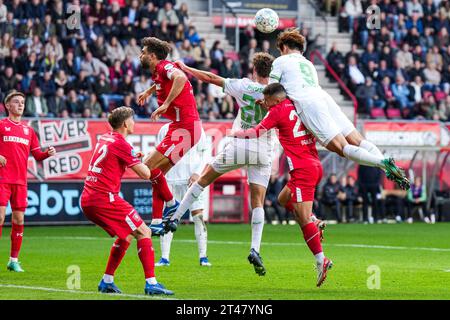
<point x="107" y="278"/>
<point x="362" y="156"/>
<point x="166" y="241"/>
<point x="151" y="280"/>
<point x="373" y="149"/>
<point x="201" y="234"/>
<point x="257" y="227"/>
<point x="319" y="257"/>
<point x="191" y="195"/>
<point x="170" y="203"/>
<point x="13" y="259"/>
<point x="156" y="221"/>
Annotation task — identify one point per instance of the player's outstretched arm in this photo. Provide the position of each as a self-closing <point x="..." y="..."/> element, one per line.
<point x="143" y="96"/>
<point x="40" y="156"/>
<point x="142" y="171"/>
<point x="179" y="80"/>
<point x="251" y="133"/>
<point x="204" y="76"/>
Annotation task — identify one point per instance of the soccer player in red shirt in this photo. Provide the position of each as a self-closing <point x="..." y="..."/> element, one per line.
<point x="177" y="103"/>
<point x="304" y="165"/>
<point x="102" y="204"/>
<point x="17" y="140"/>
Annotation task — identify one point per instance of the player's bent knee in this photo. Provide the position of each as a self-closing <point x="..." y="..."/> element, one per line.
<point x="337" y="145"/>
<point x="18" y="217"/>
<point x="142" y="232"/>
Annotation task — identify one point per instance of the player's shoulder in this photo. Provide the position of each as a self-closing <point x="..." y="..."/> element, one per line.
<point x="252" y="86"/>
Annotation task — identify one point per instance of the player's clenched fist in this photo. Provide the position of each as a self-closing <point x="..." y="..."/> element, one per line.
<point x="51" y="151"/>
<point x="2" y="161"/>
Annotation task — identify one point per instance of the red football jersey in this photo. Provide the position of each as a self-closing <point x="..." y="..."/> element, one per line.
<point x="17" y="140"/>
<point x="112" y="156"/>
<point x="183" y="108"/>
<point x="298" y="143"/>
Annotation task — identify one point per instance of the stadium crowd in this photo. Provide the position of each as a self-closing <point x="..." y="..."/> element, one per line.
<point x="84" y="65"/>
<point x="402" y="69"/>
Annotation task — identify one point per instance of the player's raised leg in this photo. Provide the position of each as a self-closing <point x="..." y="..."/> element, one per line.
<point x="159" y="165"/>
<point x="208" y="176"/>
<point x="257" y="194"/>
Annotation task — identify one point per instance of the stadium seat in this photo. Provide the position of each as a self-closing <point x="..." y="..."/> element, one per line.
<point x="377" y="113"/>
<point x="393" y="113"/>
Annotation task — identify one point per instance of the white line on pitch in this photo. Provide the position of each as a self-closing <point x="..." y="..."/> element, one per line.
<point x="83" y="292"/>
<point x="219" y="242"/>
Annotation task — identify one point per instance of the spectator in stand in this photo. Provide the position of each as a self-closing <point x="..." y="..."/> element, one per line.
<point x="416" y="71"/>
<point x="186" y="53"/>
<point x="179" y="34"/>
<point x="401" y="93"/>
<point x="354" y="74"/>
<point x="432" y="77"/>
<point x="414" y="6"/>
<point x="444" y="109"/>
<point x="417" y="197"/>
<point x="404" y="57"/>
<point x="371" y="70"/>
<point x="114" y="51"/>
<point x="169" y="14"/>
<point x="352" y="10"/>
<point x="133" y="12"/>
<point x="193" y="36"/>
<point x="200" y="53"/>
<point x="229" y="70"/>
<point x="330" y="192"/>
<point x="93" y="66"/>
<point x="433" y="56"/>
<point x="74" y="104"/>
<point x="418" y="54"/>
<point x="183" y="15"/>
<point x="126" y="31"/>
<point x="443" y="38"/>
<point x="384" y="71"/>
<point x="413" y="37"/>
<point x="54" y="47"/>
<point x="336" y="60"/>
<point x="369" y="181"/>
<point x="163" y="32"/>
<point x="143" y="30"/>
<point x="8" y="81"/>
<point x="57" y="104"/>
<point x="93" y="105"/>
<point x="368" y="97"/>
<point x="47" y="85"/>
<point x="370" y="55"/>
<point x="36" y="105"/>
<point x="99" y="49"/>
<point x="352" y="198"/>
<point x="416" y="86"/>
<point x="216" y="54"/>
<point x="143" y="84"/>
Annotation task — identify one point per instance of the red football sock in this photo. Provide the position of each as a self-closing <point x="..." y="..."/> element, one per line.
<point x="1" y="228"/>
<point x="116" y="255"/>
<point x="312" y="238"/>
<point x="147" y="257"/>
<point x="16" y="239"/>
<point x="159" y="182"/>
<point x="157" y="204"/>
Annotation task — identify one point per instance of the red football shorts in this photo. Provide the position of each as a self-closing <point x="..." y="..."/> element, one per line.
<point x="15" y="193"/>
<point x="180" y="138"/>
<point x="117" y="217"/>
<point x="303" y="182"/>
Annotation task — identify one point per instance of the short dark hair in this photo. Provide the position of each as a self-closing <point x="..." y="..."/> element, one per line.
<point x="262" y="62"/>
<point x="160" y="48"/>
<point x="13" y="94"/>
<point x="292" y="39"/>
<point x="119" y="115"/>
<point x="274" y="89"/>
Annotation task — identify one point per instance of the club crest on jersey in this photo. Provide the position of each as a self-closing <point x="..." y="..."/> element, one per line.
<point x="26" y="131"/>
<point x="7" y="128"/>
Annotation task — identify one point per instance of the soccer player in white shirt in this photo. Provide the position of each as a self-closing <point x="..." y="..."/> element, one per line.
<point x="320" y="113"/>
<point x="254" y="154"/>
<point x="179" y="179"/>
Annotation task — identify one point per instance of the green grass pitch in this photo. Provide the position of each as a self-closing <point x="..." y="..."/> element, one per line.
<point x="413" y="260"/>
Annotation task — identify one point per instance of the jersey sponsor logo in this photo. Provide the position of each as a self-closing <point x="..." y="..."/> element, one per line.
<point x="168" y="66"/>
<point x="16" y="139"/>
<point x="7" y="128"/>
